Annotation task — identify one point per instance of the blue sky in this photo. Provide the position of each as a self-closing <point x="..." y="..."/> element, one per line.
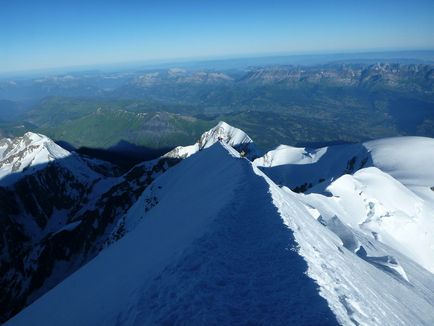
<point x="45" y="34"/>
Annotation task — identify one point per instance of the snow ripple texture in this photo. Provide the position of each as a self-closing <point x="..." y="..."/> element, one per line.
<point x="244" y="271"/>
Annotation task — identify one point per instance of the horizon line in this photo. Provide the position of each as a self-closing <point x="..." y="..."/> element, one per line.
<point x="204" y="59"/>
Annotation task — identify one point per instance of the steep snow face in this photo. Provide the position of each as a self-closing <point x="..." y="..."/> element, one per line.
<point x="232" y="136"/>
<point x="218" y="242"/>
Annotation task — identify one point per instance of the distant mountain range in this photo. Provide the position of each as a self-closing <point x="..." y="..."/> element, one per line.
<point x="395" y="76"/>
<point x="217" y="231"/>
<point x="311" y="104"/>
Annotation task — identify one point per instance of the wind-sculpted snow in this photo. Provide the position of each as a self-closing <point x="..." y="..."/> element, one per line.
<point x="381" y="188"/>
<point x="364" y="281"/>
<point x="376" y="204"/>
<point x="223" y="244"/>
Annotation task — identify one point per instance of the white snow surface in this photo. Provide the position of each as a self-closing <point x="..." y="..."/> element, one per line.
<point x="388" y="197"/>
<point x="226" y="245"/>
<point x="285" y="154"/>
<point x="229" y="135"/>
<point x="30" y="150"/>
<point x="380" y="287"/>
<point x="23" y="155"/>
<point x="407" y="159"/>
<point x="375" y="203"/>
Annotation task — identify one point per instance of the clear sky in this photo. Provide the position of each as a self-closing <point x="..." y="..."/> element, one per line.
<point x="36" y="34"/>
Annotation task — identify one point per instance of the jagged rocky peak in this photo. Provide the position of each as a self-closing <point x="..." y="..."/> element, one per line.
<point x="223" y="132"/>
<point x="32" y="141"/>
<point x="29" y="150"/>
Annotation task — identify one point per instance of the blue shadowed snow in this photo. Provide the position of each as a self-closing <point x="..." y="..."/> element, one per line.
<point x="214" y="250"/>
<point x="242" y="271"/>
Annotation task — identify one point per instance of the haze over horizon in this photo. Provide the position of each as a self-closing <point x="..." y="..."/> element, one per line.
<point x="50" y="34"/>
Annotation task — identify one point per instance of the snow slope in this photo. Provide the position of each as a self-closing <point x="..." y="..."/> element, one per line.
<point x="284" y="154"/>
<point x="193" y="258"/>
<point x="364" y="281"/>
<point x="381" y="188"/>
<point x="407" y="159"/>
<point x="378" y="205"/>
<point x="223" y="244"/>
<point x="232" y="136"/>
<point x="304" y="167"/>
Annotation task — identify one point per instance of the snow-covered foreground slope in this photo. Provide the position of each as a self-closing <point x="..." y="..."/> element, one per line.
<point x="217" y="242"/>
<point x="364" y="281"/>
<point x="205" y="253"/>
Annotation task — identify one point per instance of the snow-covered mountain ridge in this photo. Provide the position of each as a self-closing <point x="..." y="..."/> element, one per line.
<point x="220" y="239"/>
<point x="24" y="155"/>
<point x="30" y="150"/>
<point x="223" y="132"/>
<point x="238" y="254"/>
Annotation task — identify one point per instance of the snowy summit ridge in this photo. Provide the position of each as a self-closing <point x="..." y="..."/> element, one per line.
<point x="218" y="238"/>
